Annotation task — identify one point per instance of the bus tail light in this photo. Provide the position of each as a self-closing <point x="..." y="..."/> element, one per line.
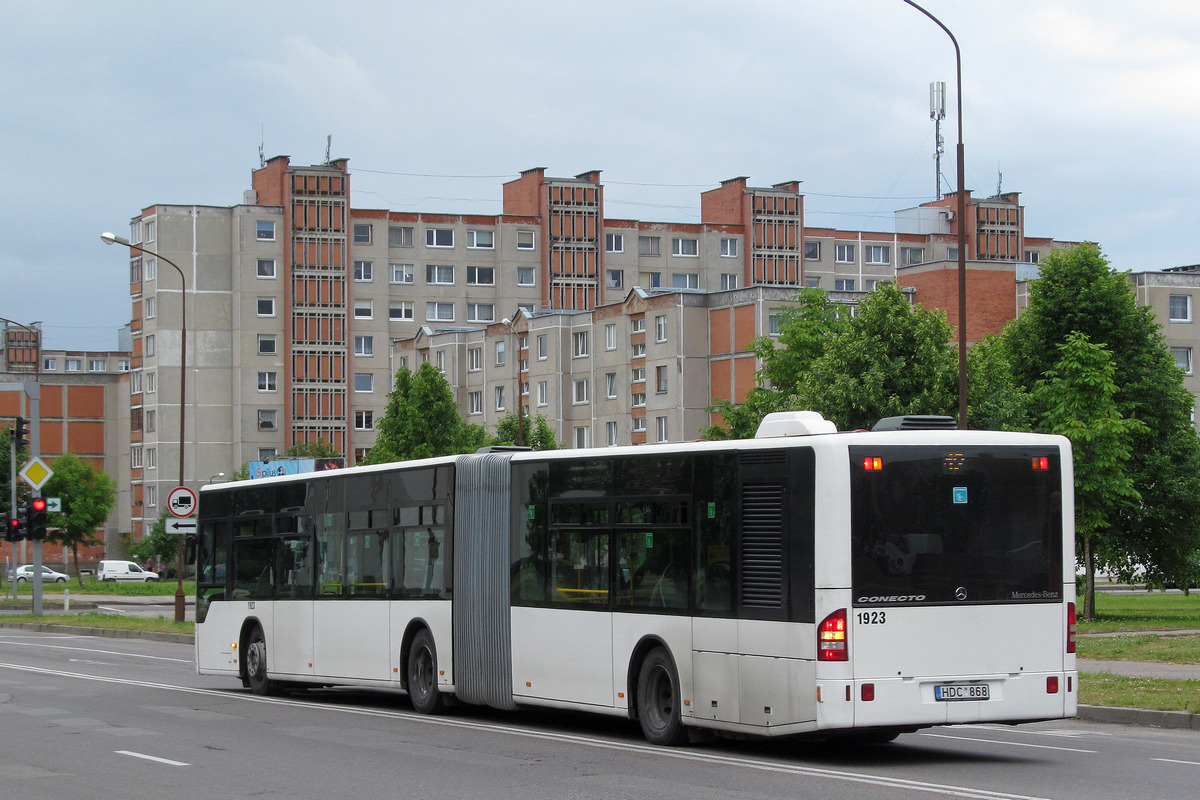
<point x="867" y="692"/>
<point x="831" y="638"/>
<point x="872" y="464"/>
<point x="1070" y="627"/>
<point x="1052" y="684"/>
<point x="1041" y="463"/>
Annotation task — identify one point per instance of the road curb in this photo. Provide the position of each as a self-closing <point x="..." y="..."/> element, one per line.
<point x="1140" y="716"/>
<point x="110" y="633"/>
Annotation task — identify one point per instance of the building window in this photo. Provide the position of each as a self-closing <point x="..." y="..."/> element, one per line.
<point x="481" y="240"/>
<point x="400" y="236"/>
<point x="500" y="406"/>
<point x="151" y="268"/>
<point x="878" y="254"/>
<point x="610" y="336"/>
<point x="583" y="437"/>
<point x="97" y="365"/>
<point x="148" y="306"/>
<point x="151" y="420"/>
<point x="812" y="281"/>
<point x="362" y="233"/>
<point x="639" y="424"/>
<point x="843" y="285"/>
<point x="135" y="457"/>
<point x="580" y="394"/>
<point x="268" y="381"/>
<point x="637" y="325"/>
<point x="401" y="310"/>
<point x="474" y="359"/>
<point x="266" y="419"/>
<point x="363" y="309"/>
<point x="685" y="280"/>
<point x="76" y="364"/>
<point x="151" y="495"/>
<point x="439" y="274"/>
<point x="660" y="379"/>
<point x="122" y="364"/>
<point x="637" y="350"/>
<point x="266" y="306"/>
<point x="1181" y="308"/>
<point x="812" y="251"/>
<point x="614" y="243"/>
<point x="266" y="231"/>
<point x="500" y="353"/>
<point x="481" y="312"/>
<point x="610" y="385"/>
<point x="637" y="375"/>
<point x="728" y="281"/>
<point x="525" y="276"/>
<point x="542" y="348"/>
<point x="660" y="328"/>
<point x="615" y="278"/>
<point x="266" y="344"/>
<point x="685" y="247"/>
<point x="363" y="271"/>
<point x="525" y="240"/>
<point x="773" y="324"/>
<point x="439" y="312"/>
<point x="1031" y="256"/>
<point x="364" y="345"/>
<point x="151" y="230"/>
<point x="481" y="276"/>
<point x="402" y="273"/>
<point x="638" y="400"/>
<point x="952" y="254"/>
<point x="49" y="364"/>
<point x="474" y="402"/>
<point x="580" y="344"/>
<point x="147" y="348"/>
<point x="661" y="425"/>
<point x="648" y="246"/>
<point x="266" y="268"/>
<point x="610" y="433"/>
<point x="1183" y="358"/>
<point x="151" y="379"/>
<point x="363" y="381"/>
<point x="364" y="420"/>
<point x="912" y="255"/>
<point x="439" y="237"/>
<point x="135" y="383"/>
<point x="844" y="254"/>
<point x="729" y="248"/>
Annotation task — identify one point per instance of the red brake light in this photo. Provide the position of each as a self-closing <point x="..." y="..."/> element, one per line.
<point x="871" y="464"/>
<point x="831" y="638"/>
<point x="1041" y="463"/>
<point x="1051" y="684"/>
<point x="1070" y="627"/>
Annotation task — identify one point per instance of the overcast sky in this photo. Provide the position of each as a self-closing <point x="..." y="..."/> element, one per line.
<point x="1089" y="108"/>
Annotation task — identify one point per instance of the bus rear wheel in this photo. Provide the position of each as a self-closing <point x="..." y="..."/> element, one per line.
<point x="256" y="665"/>
<point x="658" y="700"/>
<point x="421" y="673"/>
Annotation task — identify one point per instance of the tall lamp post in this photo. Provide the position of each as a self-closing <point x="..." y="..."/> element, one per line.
<point x="112" y="238"/>
<point x="962" y="230"/>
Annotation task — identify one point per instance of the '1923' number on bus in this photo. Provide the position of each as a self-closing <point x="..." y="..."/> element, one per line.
<point x="872" y="617"/>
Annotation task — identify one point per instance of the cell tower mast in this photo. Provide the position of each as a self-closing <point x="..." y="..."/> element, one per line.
<point x="937" y="113"/>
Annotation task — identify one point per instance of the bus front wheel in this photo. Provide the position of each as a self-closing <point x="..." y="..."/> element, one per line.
<point x="658" y="700"/>
<point x="422" y="675"/>
<point x="256" y="665"/>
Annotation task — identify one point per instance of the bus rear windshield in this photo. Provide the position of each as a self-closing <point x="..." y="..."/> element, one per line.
<point x="936" y="525"/>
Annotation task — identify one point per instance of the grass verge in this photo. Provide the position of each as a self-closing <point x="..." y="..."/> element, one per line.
<point x="1171" y="649"/>
<point x="92" y="586"/>
<point x="153" y="624"/>
<point x="1149" y="611"/>
<point x="1155" y="694"/>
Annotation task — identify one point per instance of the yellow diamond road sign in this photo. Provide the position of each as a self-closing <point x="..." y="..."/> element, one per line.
<point x="36" y="473"/>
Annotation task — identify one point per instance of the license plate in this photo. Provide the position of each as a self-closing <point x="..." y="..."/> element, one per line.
<point x="961" y="691"/>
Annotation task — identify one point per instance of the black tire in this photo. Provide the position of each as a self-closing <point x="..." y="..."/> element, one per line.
<point x="60" y="580"/>
<point x="421" y="673"/>
<point x="658" y="700"/>
<point x="21" y="579"/>
<point x="256" y="665"/>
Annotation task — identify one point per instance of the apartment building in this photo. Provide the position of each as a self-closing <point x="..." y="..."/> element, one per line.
<point x="299" y="307"/>
<point x="82" y="409"/>
<point x="1172" y="295"/>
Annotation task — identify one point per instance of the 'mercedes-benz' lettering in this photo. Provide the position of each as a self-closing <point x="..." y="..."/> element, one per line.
<point x="892" y="598"/>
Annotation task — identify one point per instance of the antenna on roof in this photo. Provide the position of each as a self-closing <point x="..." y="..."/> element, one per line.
<point x="937" y="113"/>
<point x="328" y="144"/>
<point x="999" y="179"/>
<point x="262" y="158"/>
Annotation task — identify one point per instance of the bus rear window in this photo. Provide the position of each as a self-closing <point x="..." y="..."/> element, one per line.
<point x="934" y="525"/>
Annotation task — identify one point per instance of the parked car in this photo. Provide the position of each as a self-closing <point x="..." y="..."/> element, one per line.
<point x="124" y="571"/>
<point x="25" y="573"/>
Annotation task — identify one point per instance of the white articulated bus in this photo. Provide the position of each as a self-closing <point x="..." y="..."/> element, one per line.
<point x="803" y="582"/>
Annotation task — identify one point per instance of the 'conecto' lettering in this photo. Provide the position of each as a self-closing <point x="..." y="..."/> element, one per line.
<point x="893" y="598"/>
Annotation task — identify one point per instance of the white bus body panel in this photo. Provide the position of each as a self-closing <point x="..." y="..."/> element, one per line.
<point x="562" y="655"/>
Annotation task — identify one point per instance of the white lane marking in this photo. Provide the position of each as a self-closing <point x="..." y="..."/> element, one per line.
<point x="1060" y="732"/>
<point x="1177" y="761"/>
<point x="641" y="749"/>
<point x="152" y="758"/>
<point x="1010" y="744"/>
<point x="101" y="652"/>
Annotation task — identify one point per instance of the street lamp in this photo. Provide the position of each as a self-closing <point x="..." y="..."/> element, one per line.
<point x="516" y="359"/>
<point x="112" y="238"/>
<point x="962" y="231"/>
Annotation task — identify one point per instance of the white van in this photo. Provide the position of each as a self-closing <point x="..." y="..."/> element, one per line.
<point x="123" y="571"/>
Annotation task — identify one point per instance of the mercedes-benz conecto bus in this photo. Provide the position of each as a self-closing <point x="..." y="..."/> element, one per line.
<point x="803" y="582"/>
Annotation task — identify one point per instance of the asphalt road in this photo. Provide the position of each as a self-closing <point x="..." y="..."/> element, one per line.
<point x="86" y="717"/>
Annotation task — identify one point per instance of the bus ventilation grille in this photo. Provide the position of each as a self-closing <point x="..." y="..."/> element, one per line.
<point x="916" y="422"/>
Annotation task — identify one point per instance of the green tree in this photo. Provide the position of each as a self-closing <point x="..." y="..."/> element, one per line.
<point x="804" y="330"/>
<point x="892" y="358"/>
<point x="994" y="400"/>
<point x="159" y="545"/>
<point x="1079" y="292"/>
<point x="537" y="432"/>
<point x="422" y="420"/>
<point x="318" y="449"/>
<point x="1075" y="400"/>
<point x="87" y="496"/>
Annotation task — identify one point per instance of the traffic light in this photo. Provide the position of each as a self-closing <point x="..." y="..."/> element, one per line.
<point x="21" y="432"/>
<point x="11" y="523"/>
<point x="16" y="524"/>
<point x="35" y="524"/>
